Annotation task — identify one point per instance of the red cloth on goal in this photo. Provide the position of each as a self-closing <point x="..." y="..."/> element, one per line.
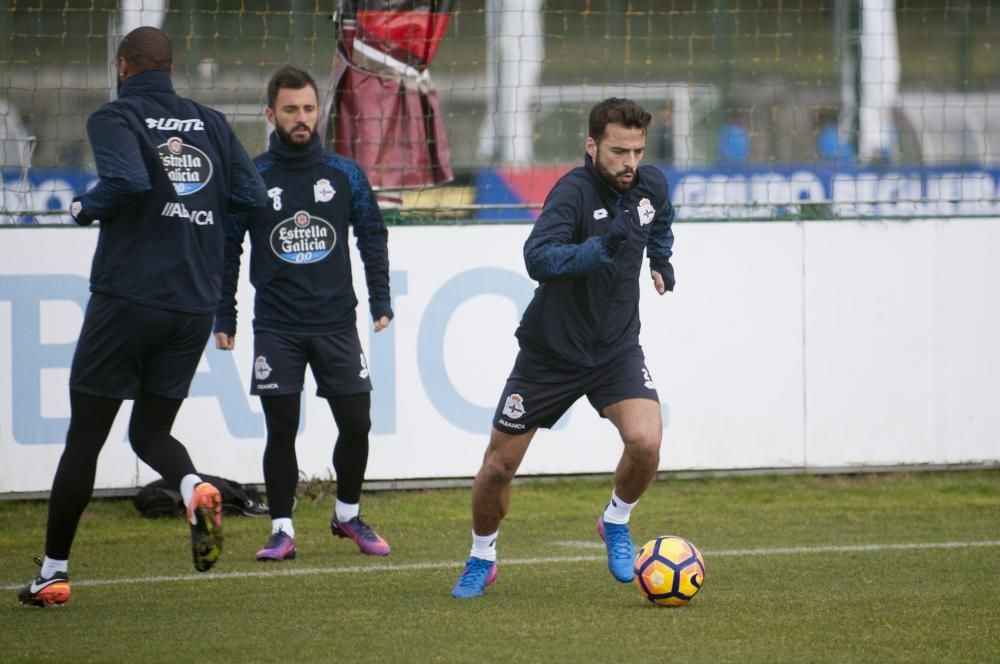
<point x="387" y="113"/>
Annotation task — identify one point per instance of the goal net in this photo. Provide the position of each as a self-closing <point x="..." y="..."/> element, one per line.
<point x="761" y="108"/>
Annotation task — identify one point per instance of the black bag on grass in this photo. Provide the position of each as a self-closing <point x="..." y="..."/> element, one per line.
<point x="160" y="499"/>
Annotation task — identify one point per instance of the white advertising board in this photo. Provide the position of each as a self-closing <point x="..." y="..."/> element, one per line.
<point x="785" y="345"/>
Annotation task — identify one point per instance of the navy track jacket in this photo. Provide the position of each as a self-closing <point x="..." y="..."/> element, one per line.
<point x="585" y="311"/>
<point x="169" y="170"/>
<point x="300" y="262"/>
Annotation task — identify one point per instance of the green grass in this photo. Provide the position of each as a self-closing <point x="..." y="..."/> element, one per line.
<point x="761" y="602"/>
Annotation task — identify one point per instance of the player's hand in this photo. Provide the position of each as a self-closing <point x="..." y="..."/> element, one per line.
<point x="658" y="283"/>
<point x="382" y="323"/>
<point x="225" y="341"/>
<point x="663" y="275"/>
<point x="79" y="216"/>
<point x="618" y="231"/>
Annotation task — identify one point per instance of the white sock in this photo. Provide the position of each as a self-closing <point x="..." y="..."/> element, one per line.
<point x="484" y="546"/>
<point x="188" y="483"/>
<point x="617" y="511"/>
<point x="284" y="524"/>
<point x="50" y="566"/>
<point x="346" y="511"/>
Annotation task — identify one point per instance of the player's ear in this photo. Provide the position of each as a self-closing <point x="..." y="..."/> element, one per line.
<point x="269" y="114"/>
<point x="591" y="147"/>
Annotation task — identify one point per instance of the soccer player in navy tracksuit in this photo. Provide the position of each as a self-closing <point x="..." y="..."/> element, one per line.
<point x="168" y="169"/>
<point x="304" y="310"/>
<point x="580" y="333"/>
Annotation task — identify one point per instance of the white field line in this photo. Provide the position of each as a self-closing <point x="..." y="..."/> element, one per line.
<point x="273" y="572"/>
<point x="777" y="551"/>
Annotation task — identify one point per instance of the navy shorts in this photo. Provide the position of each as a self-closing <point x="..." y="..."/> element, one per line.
<point x="337" y="361"/>
<point x="126" y="348"/>
<point x="538" y="392"/>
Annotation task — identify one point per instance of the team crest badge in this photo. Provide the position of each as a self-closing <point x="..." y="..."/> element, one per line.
<point x="646" y="212"/>
<point x="514" y="407"/>
<point x="261" y="369"/>
<point x="323" y="190"/>
<point x="600" y="213"/>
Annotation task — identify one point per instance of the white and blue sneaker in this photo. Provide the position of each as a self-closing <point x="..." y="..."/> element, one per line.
<point x="621" y="553"/>
<point x="477" y="576"/>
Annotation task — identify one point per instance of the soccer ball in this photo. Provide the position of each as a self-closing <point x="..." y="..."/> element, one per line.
<point x="669" y="571"/>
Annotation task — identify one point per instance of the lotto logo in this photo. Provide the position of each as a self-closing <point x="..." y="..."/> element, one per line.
<point x="174" y="124"/>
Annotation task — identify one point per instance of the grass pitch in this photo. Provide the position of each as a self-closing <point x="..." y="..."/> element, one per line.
<point x="899" y="567"/>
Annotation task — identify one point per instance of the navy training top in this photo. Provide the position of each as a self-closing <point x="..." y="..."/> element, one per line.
<point x="585" y="311"/>
<point x="169" y="170"/>
<point x="300" y="261"/>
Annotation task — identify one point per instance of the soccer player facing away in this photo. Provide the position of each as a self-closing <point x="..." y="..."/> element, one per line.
<point x="168" y="170"/>
<point x="305" y="304"/>
<point x="580" y="333"/>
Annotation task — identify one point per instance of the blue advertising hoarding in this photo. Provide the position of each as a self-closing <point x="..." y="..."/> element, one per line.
<point x="763" y="192"/>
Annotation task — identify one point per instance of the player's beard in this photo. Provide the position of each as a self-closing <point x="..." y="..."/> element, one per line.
<point x="287" y="139"/>
<point x="612" y="178"/>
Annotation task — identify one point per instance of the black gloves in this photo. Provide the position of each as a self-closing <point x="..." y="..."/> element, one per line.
<point x="79" y="216"/>
<point x="666" y="270"/>
<point x="619" y="230"/>
<point x="622" y="226"/>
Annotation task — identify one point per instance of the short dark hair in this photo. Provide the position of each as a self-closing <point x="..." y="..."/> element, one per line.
<point x="288" y="77"/>
<point x="617" y="111"/>
<point x="146" y="48"/>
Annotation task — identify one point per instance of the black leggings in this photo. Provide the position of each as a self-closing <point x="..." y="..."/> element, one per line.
<point x="350" y="452"/>
<point x="90" y="422"/>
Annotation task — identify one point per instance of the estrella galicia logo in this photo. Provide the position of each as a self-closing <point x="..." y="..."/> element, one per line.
<point x="188" y="168"/>
<point x="303" y="238"/>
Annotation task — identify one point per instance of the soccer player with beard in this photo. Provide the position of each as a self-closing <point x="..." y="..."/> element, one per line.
<point x="580" y="333"/>
<point x="304" y="308"/>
